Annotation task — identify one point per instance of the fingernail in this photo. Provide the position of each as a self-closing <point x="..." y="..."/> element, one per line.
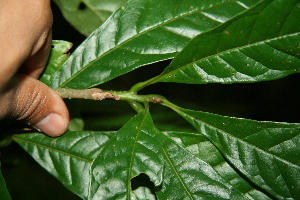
<point x="53" y="125"/>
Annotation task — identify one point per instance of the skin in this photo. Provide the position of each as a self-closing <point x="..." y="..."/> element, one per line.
<point x="25" y="43"/>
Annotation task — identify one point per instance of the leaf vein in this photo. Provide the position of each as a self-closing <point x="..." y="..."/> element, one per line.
<point x="177" y="173"/>
<point x="132" y="154"/>
<point x="54" y="150"/>
<point x="288" y="14"/>
<point x="280" y="51"/>
<point x="238" y="139"/>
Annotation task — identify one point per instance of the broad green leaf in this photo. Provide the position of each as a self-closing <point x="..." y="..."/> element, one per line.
<point x="139" y="147"/>
<point x="265" y="152"/>
<point x="188" y="177"/>
<point x="4" y="194"/>
<point x="134" y="149"/>
<point x="201" y="147"/>
<point x="258" y="45"/>
<point x="87" y="15"/>
<point x="68" y="158"/>
<point x="140" y="33"/>
<point x="58" y="55"/>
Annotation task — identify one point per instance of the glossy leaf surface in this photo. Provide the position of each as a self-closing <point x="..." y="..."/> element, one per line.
<point x="266" y="152"/>
<point x="202" y="148"/>
<point x="140" y="33"/>
<point x="87" y="15"/>
<point x="58" y="55"/>
<point x="181" y="164"/>
<point x="68" y="158"/>
<point x="134" y="149"/>
<point x="258" y="45"/>
<point x="139" y="147"/>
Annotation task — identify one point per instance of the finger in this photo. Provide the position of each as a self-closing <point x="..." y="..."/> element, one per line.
<point x="23" y="33"/>
<point x="33" y="102"/>
<point x="34" y="65"/>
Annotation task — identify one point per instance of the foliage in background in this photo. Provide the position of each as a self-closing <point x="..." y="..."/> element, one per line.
<point x="211" y="41"/>
<point x="87" y="15"/>
<point x="3" y="190"/>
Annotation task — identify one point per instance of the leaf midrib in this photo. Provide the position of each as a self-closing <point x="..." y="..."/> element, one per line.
<point x="132" y="155"/>
<point x="93" y="10"/>
<point x="177" y="174"/>
<point x="53" y="149"/>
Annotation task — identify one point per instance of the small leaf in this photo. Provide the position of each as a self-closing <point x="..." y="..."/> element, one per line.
<point x="140" y="33"/>
<point x="58" y="55"/>
<point x="258" y="45"/>
<point x="265" y="152"/>
<point x="88" y="15"/>
<point x="76" y="124"/>
<point x="138" y="148"/>
<point x="68" y="158"/>
<point x="4" y="194"/>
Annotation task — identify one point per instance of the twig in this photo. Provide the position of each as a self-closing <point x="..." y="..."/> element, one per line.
<point x="93" y="93"/>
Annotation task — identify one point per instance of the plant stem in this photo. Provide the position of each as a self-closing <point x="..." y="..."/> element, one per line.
<point x="131" y="97"/>
<point x="137" y="87"/>
<point x="98" y="94"/>
<point x="93" y="93"/>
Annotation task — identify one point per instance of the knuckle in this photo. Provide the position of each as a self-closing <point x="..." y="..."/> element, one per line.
<point x="30" y="107"/>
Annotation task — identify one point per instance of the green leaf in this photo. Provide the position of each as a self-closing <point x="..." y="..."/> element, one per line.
<point x="258" y="45"/>
<point x="169" y="159"/>
<point x="201" y="147"/>
<point x="76" y="124"/>
<point x="58" y="55"/>
<point x="139" y="147"/>
<point x="4" y="194"/>
<point x="188" y="177"/>
<point x="87" y="15"/>
<point x="265" y="152"/>
<point x="140" y="33"/>
<point x="68" y="158"/>
<point x="134" y="149"/>
<point x="144" y="193"/>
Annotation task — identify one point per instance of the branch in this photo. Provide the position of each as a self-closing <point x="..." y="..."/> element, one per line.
<point x="98" y="94"/>
<point x="93" y="93"/>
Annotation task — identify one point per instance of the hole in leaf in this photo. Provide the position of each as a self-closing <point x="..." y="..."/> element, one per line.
<point x="52" y="46"/>
<point x="141" y="185"/>
<point x="81" y="6"/>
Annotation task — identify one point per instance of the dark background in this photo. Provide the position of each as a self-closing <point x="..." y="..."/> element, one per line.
<point x="266" y="101"/>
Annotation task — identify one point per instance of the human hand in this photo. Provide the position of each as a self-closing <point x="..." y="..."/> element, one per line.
<point x="25" y="43"/>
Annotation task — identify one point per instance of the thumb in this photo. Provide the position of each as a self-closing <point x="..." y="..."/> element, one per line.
<point x="33" y="102"/>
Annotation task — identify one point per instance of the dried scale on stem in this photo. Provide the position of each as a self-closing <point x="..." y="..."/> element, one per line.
<point x="92" y="93"/>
